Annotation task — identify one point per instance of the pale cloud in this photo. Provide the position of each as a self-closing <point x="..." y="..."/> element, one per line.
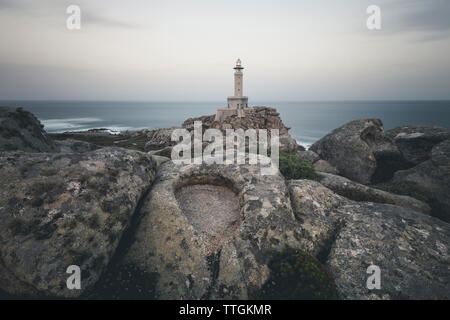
<point x="178" y="49"/>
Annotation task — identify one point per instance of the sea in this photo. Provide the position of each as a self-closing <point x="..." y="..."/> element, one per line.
<point x="309" y="120"/>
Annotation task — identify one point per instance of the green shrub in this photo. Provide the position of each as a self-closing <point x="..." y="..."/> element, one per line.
<point x="291" y="167"/>
<point x="297" y="275"/>
<point x="405" y="188"/>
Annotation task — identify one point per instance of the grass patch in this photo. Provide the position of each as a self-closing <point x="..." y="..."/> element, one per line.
<point x="134" y="143"/>
<point x="166" y="152"/>
<point x="291" y="167"/>
<point x="405" y="188"/>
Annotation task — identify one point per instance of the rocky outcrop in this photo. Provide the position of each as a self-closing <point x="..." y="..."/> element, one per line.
<point x="411" y="249"/>
<point x="415" y="142"/>
<point x="359" y="192"/>
<point x="159" y="160"/>
<point x="209" y="231"/>
<point x="308" y="155"/>
<point x="63" y="209"/>
<point x="20" y="130"/>
<point x="360" y="151"/>
<point x="318" y="164"/>
<point x="75" y="146"/>
<point x="255" y="118"/>
<point x="218" y="231"/>
<point x="434" y="176"/>
<point x="315" y="206"/>
<point x="324" y="166"/>
<point x="288" y="144"/>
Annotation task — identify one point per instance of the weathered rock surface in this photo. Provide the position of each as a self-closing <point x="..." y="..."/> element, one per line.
<point x="315" y="206"/>
<point x="318" y="164"/>
<point x="357" y="149"/>
<point x="75" y="146"/>
<point x="411" y="249"/>
<point x="359" y="192"/>
<point x="434" y="176"/>
<point x="64" y="209"/>
<point x="20" y="130"/>
<point x="208" y="231"/>
<point x="159" y="160"/>
<point x="324" y="166"/>
<point x="308" y="155"/>
<point x="288" y="144"/>
<point x="415" y="142"/>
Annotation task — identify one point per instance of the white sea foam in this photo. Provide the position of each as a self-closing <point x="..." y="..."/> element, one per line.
<point x="61" y="125"/>
<point x="109" y="129"/>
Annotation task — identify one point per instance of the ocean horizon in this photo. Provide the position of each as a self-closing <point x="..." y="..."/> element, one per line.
<point x="308" y="120"/>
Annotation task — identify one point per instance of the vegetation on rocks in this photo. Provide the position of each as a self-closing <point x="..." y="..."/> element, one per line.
<point x="405" y="188"/>
<point x="298" y="275"/>
<point x="135" y="142"/>
<point x="20" y="130"/>
<point x="125" y="282"/>
<point x="292" y="167"/>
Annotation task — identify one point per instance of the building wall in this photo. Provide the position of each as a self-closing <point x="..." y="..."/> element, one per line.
<point x="238" y="84"/>
<point x="237" y="102"/>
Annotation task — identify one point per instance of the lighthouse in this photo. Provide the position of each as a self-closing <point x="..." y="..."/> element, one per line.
<point x="238" y="77"/>
<point x="238" y="101"/>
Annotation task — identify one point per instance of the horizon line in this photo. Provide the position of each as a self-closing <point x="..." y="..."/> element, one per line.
<point x="218" y="101"/>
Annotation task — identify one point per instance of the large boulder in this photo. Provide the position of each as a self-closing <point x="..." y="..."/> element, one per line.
<point x="318" y="164"/>
<point x="357" y="149"/>
<point x="415" y="142"/>
<point x="315" y="206"/>
<point x="62" y="209"/>
<point x="434" y="176"/>
<point x="325" y="167"/>
<point x="209" y="231"/>
<point x="410" y="248"/>
<point x="308" y="155"/>
<point x="20" y="130"/>
<point x="359" y="192"/>
<point x="289" y="144"/>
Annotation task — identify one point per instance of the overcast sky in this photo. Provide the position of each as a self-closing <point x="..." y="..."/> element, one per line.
<point x="185" y="50"/>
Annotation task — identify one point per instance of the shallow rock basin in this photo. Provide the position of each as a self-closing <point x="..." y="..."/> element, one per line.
<point x="212" y="210"/>
<point x="209" y="208"/>
<point x="208" y="231"/>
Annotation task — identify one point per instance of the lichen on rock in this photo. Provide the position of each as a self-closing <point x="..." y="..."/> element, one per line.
<point x="58" y="210"/>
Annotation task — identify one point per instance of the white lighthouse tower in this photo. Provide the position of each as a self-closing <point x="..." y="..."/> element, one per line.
<point x="238" y="102"/>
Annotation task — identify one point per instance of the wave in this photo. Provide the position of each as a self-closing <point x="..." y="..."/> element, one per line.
<point x="61" y="125"/>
